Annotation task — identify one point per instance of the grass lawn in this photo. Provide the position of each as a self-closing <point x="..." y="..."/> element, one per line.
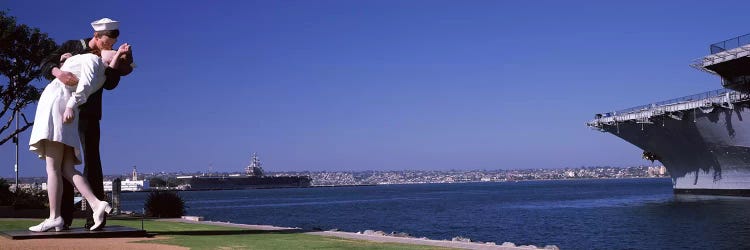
<point x="198" y="236"/>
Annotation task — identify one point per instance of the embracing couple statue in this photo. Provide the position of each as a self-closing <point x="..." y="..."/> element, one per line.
<point x="67" y="122"/>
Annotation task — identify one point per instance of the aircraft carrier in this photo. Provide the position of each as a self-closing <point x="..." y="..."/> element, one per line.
<point x="254" y="178"/>
<point x="703" y="140"/>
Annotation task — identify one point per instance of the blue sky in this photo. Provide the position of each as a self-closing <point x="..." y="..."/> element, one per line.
<point x="368" y="85"/>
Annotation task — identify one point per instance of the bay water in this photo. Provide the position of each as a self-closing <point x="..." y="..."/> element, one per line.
<point x="572" y="214"/>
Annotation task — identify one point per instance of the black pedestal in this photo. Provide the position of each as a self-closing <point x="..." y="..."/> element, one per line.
<point x="106" y="232"/>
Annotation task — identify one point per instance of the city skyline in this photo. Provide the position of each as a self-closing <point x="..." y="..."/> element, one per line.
<point x="383" y="85"/>
<point x="384" y="177"/>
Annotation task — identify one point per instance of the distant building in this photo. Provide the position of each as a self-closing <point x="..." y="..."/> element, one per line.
<point x="570" y="174"/>
<point x="656" y="171"/>
<point x="132" y="184"/>
<point x="128" y="185"/>
<point x="28" y="186"/>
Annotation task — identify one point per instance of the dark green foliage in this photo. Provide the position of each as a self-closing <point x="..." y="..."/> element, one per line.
<point x="31" y="199"/>
<point x="22" y="50"/>
<point x="157" y="182"/>
<point x="6" y="197"/>
<point x="174" y="182"/>
<point x="164" y="182"/>
<point x="164" y="204"/>
<point x="25" y="199"/>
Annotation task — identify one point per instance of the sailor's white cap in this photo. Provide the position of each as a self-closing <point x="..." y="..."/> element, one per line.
<point x="105" y="24"/>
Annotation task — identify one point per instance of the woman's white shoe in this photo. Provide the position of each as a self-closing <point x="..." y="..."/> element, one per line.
<point x="99" y="212"/>
<point x="47" y="224"/>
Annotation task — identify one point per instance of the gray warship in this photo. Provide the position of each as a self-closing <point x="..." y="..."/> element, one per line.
<point x="254" y="178"/>
<point x="703" y="140"/>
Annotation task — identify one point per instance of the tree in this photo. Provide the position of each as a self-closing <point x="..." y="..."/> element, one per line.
<point x="157" y="182"/>
<point x="6" y="197"/>
<point x="22" y="50"/>
<point x="22" y="198"/>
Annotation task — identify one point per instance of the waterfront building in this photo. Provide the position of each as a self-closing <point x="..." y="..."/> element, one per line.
<point x="132" y="184"/>
<point x="129" y="185"/>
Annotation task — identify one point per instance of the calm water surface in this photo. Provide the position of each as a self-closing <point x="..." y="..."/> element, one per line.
<point x="573" y="214"/>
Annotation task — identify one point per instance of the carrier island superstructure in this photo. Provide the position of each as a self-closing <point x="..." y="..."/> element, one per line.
<point x="703" y="140"/>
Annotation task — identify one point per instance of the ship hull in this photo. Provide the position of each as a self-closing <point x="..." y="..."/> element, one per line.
<point x="706" y="153"/>
<point x="246" y="182"/>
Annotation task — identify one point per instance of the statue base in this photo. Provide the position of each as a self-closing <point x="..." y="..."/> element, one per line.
<point x="79" y="232"/>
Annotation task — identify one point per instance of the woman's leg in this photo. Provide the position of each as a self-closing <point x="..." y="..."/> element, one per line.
<point x="76" y="178"/>
<point x="54" y="156"/>
<point x="99" y="208"/>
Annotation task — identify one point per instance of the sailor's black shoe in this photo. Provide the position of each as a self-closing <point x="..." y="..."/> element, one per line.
<point x="90" y="223"/>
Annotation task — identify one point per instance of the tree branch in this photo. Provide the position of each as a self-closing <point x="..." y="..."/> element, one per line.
<point x="24" y="118"/>
<point x="6" y="94"/>
<point x="28" y="125"/>
<point x="7" y="124"/>
<point x="5" y="109"/>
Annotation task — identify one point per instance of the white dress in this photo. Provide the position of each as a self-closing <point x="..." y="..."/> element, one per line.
<point x="48" y="121"/>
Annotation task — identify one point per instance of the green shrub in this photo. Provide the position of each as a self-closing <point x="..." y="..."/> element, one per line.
<point x="6" y="197"/>
<point x="31" y="199"/>
<point x="157" y="182"/>
<point x="22" y="199"/>
<point x="164" y="204"/>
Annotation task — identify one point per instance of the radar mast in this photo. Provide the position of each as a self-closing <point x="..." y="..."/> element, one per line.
<point x="254" y="169"/>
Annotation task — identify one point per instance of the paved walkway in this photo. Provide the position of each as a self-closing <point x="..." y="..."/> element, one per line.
<point x="87" y="243"/>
